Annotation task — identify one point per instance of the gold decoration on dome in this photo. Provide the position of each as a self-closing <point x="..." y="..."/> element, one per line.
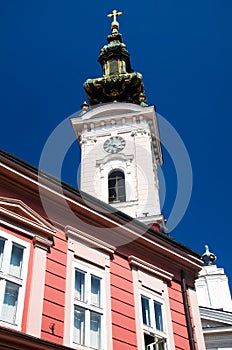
<point x="85" y="106"/>
<point x="114" y="24"/>
<point x="118" y="82"/>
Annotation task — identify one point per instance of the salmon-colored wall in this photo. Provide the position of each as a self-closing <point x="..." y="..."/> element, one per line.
<point x="123" y="311"/>
<point x="178" y="317"/>
<point x="54" y="294"/>
<point x="122" y="295"/>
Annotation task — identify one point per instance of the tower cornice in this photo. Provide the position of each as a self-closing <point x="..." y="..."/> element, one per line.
<point x="125" y="115"/>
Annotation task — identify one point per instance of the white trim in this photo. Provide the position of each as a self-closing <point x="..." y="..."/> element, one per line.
<point x="35" y="307"/>
<point x="86" y="303"/>
<point x="216" y="315"/>
<point x="17" y="216"/>
<point x="112" y="157"/>
<point x="196" y="319"/>
<point x="217" y="330"/>
<point x="68" y="300"/>
<point x="160" y="273"/>
<point x="149" y="284"/>
<point x="90" y="240"/>
<point x="120" y="112"/>
<point x="19" y="212"/>
<point x="151" y="329"/>
<point x="20" y="281"/>
<point x="95" y="257"/>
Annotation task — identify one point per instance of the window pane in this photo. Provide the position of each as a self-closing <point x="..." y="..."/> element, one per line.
<point x="80" y="285"/>
<point x="121" y="190"/>
<point x="158" y="316"/>
<point x="2" y="243"/>
<point x="9" y="306"/>
<point x="16" y="260"/>
<point x="146" y="311"/>
<point x="95" y="330"/>
<point x="116" y="186"/>
<point x="79" y="325"/>
<point x="95" y="291"/>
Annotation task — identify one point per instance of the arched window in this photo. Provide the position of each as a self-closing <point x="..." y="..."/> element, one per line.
<point x="116" y="186"/>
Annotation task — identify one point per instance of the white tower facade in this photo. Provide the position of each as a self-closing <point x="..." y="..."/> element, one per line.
<point x="120" y="154"/>
<point x="119" y="136"/>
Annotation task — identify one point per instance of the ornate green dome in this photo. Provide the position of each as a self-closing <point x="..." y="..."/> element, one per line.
<point x="118" y="82"/>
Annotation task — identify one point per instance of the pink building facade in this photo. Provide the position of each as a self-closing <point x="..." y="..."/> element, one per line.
<point x="76" y="275"/>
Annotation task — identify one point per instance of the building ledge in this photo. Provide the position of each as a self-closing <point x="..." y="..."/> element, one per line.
<point x="10" y="339"/>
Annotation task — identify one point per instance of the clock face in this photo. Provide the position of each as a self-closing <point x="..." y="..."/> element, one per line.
<point x="114" y="144"/>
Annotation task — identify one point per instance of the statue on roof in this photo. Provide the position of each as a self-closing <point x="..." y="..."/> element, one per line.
<point x="208" y="257"/>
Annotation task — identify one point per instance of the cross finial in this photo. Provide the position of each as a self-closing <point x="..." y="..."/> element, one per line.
<point x="114" y="14"/>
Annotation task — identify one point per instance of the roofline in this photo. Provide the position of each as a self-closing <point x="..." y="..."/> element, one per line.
<point x="20" y="341"/>
<point x="96" y="202"/>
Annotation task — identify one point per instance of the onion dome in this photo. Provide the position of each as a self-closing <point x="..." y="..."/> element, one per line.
<point x="118" y="82"/>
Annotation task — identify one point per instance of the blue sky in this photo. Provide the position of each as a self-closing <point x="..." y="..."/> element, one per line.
<point x="182" y="48"/>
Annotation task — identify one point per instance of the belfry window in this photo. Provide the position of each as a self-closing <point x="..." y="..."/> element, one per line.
<point x="116" y="187"/>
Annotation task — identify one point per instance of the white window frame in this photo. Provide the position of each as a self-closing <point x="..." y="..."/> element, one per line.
<point x="89" y="271"/>
<point x="5" y="276"/>
<point x="159" y="335"/>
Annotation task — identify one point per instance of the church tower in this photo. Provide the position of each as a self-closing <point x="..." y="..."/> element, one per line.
<point x="119" y="136"/>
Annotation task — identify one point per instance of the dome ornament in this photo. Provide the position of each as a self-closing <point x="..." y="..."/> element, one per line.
<point x="119" y="82"/>
<point x="114" y="24"/>
<point x="84" y="106"/>
<point x="208" y="257"/>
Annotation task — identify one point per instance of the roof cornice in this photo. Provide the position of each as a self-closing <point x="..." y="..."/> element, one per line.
<point x="118" y="222"/>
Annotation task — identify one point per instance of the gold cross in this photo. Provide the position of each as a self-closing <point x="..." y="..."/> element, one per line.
<point x="114" y="14"/>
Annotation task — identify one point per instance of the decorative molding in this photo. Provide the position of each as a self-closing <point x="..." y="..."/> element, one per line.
<point x="217" y="330"/>
<point x="112" y="157"/>
<point x="88" y="139"/>
<point x="134" y="261"/>
<point x="129" y="112"/>
<point x="139" y="131"/>
<point x="91" y="241"/>
<point x="20" y="217"/>
<point x="41" y="242"/>
<point x="18" y="211"/>
<point x="223" y="317"/>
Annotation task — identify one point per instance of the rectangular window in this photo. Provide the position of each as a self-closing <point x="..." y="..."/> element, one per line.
<point x="79" y="325"/>
<point x="10" y="301"/>
<point x="153" y="323"/>
<point x="146" y="311"/>
<point x="95" y="330"/>
<point x="79" y="285"/>
<point x="14" y="254"/>
<point x="16" y="260"/>
<point x="88" y="310"/>
<point x="158" y="316"/>
<point x="95" y="291"/>
<point x="2" y="243"/>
